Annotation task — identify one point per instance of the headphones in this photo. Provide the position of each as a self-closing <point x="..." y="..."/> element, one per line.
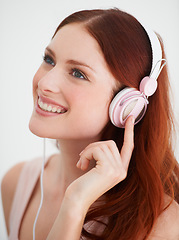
<point x="131" y="101"/>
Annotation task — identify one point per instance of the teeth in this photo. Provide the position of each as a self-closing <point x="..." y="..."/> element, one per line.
<point x="54" y="109"/>
<point x="44" y="106"/>
<point x="49" y="108"/>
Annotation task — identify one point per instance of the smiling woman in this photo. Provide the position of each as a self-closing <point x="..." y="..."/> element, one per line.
<point x="110" y="180"/>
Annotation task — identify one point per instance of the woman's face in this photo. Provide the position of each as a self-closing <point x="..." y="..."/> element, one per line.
<point x="73" y="87"/>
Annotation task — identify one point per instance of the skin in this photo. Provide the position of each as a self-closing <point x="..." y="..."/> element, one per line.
<point x="86" y="167"/>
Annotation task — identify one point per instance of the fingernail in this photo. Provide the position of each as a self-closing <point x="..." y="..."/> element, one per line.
<point x="133" y="119"/>
<point x="78" y="164"/>
<point x="81" y="152"/>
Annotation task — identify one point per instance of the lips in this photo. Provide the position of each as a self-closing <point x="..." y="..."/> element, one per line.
<point x="46" y="105"/>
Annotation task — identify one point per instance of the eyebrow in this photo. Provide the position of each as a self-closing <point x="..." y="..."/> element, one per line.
<point x="75" y="62"/>
<point x="71" y="61"/>
<point x="50" y="51"/>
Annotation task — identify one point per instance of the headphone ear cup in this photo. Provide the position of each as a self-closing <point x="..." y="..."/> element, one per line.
<point x="148" y="86"/>
<point x="127" y="102"/>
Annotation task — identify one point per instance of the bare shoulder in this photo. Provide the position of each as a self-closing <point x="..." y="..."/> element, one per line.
<point x="167" y="225"/>
<point x="8" y="187"/>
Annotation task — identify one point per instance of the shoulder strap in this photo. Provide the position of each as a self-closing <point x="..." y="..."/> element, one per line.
<point x="26" y="184"/>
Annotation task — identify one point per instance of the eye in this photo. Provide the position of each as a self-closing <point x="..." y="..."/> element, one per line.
<point x="78" y="74"/>
<point x="49" y="60"/>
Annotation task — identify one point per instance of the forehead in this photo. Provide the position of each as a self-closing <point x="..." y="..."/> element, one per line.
<point x="74" y="40"/>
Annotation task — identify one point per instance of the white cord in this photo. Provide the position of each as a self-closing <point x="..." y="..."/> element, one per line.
<point x="41" y="189"/>
<point x="160" y="69"/>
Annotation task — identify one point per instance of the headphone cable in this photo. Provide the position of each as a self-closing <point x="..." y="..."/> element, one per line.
<point x="41" y="190"/>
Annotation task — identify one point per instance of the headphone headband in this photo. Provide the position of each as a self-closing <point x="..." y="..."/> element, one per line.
<point x="156" y="52"/>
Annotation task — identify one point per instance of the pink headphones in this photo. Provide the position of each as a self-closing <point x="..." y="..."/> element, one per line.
<point x="131" y="101"/>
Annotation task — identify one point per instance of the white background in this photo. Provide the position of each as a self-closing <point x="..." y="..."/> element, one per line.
<point x="25" y="29"/>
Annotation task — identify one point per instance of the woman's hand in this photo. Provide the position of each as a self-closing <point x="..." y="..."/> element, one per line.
<point x="111" y="168"/>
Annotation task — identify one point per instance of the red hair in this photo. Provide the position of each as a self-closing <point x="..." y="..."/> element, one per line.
<point x="132" y="207"/>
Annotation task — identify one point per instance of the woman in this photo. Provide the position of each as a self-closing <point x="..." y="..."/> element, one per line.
<point x="106" y="182"/>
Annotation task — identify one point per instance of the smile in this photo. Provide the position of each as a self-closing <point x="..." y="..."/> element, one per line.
<point x="51" y="108"/>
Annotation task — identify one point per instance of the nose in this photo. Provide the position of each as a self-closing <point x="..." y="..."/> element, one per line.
<point x="49" y="82"/>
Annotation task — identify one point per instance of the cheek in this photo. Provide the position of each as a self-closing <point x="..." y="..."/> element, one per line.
<point x="91" y="106"/>
<point x="97" y="95"/>
<point x="35" y="81"/>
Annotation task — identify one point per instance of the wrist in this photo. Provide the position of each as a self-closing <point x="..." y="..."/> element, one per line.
<point x="69" y="222"/>
<point x="74" y="207"/>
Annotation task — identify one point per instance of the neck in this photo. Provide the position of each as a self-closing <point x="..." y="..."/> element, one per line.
<point x="69" y="156"/>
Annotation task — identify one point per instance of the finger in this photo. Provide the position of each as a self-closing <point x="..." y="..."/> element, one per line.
<point x="105" y="146"/>
<point x="90" y="146"/>
<point x="83" y="163"/>
<point x="96" y="154"/>
<point x="109" y="148"/>
<point x="114" y="149"/>
<point x="128" y="145"/>
<point x="78" y="163"/>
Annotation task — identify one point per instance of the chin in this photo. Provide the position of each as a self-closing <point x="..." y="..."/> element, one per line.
<point x="36" y="127"/>
<point x="36" y="131"/>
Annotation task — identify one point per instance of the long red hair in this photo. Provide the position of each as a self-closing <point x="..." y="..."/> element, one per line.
<point x="132" y="207"/>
